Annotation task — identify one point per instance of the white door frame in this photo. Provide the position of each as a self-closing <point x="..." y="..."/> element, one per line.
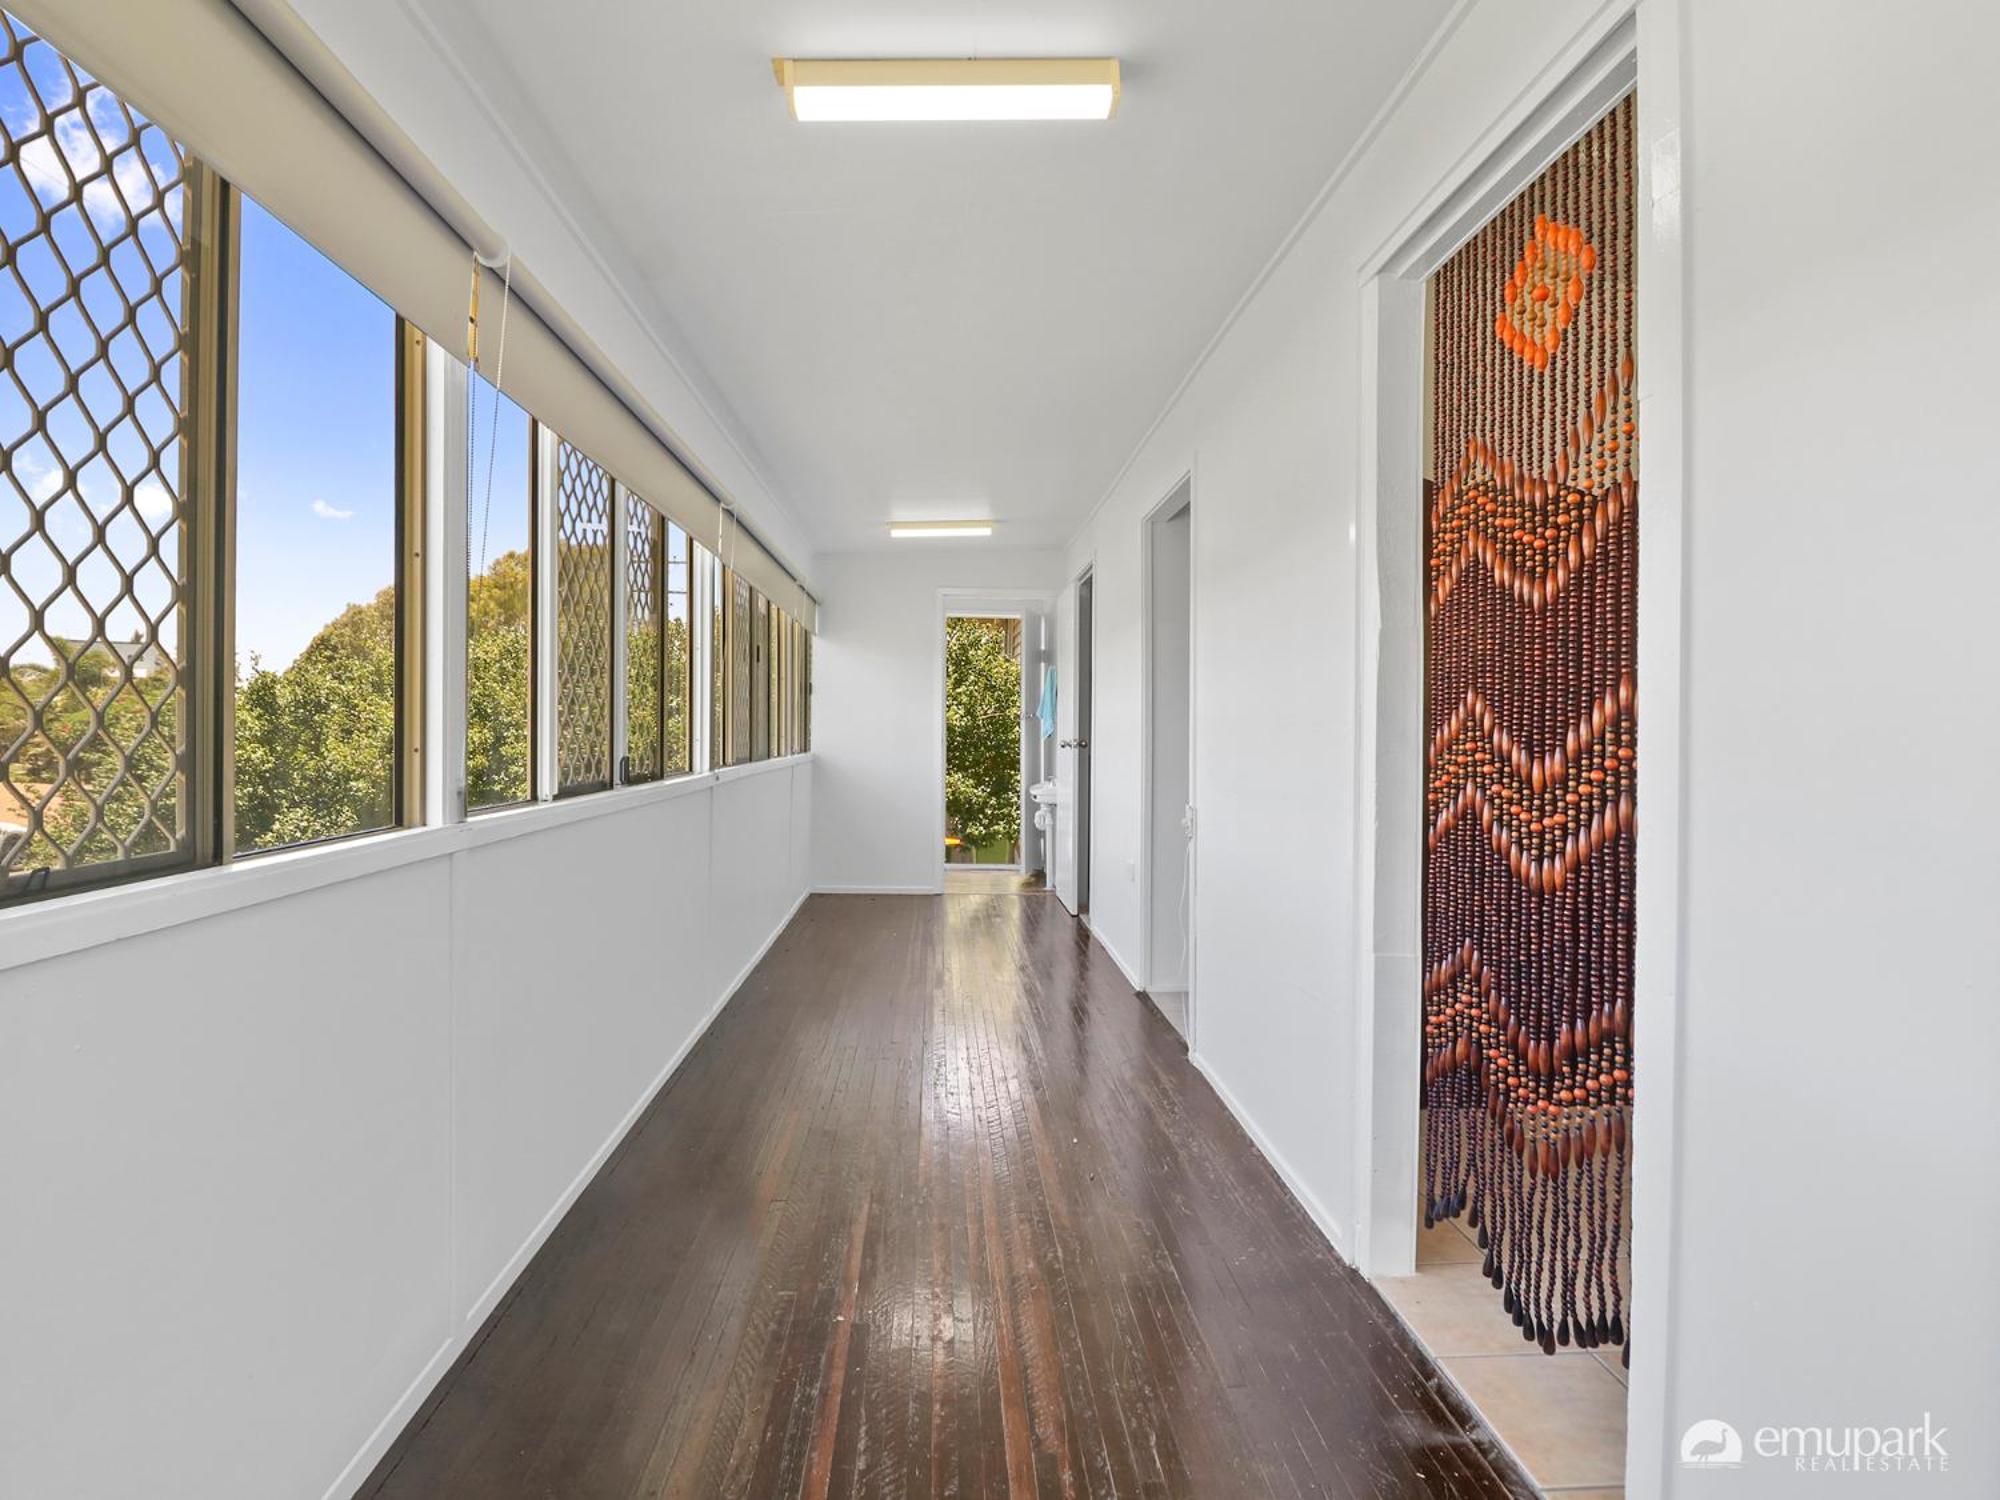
<point x="995" y="604"/>
<point x="1069" y="679"/>
<point x="1637" y="42"/>
<point x="1183" y="485"/>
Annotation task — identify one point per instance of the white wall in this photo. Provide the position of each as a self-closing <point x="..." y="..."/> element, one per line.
<point x="877" y="713"/>
<point x="1836" y="1123"/>
<point x="268" y="1168"/>
<point x="1840" y="1016"/>
<point x="1172" y="644"/>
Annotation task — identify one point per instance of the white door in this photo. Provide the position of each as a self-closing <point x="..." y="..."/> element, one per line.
<point x="1062" y="762"/>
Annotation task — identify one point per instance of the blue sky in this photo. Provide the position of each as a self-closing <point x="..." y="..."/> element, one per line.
<point x="316" y="481"/>
<point x="120" y="245"/>
<point x="497" y="517"/>
<point x="316" y="443"/>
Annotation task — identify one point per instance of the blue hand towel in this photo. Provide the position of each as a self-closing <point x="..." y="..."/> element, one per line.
<point x="1047" y="712"/>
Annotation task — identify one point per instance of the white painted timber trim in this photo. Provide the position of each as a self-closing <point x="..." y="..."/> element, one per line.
<point x="89" y="919"/>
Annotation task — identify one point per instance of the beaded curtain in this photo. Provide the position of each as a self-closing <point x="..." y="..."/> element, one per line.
<point x="1531" y="542"/>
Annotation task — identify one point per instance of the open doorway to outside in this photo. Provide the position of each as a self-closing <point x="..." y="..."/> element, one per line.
<point x="1169" y="573"/>
<point x="982" y="741"/>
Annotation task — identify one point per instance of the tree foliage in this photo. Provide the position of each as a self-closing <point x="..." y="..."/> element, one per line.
<point x="101" y="735"/>
<point x="982" y="732"/>
<point x="315" y="743"/>
<point x="499" y="649"/>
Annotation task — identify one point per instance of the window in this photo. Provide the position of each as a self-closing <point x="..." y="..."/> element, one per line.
<point x="318" y="630"/>
<point x="645" y="659"/>
<point x="760" y="677"/>
<point x="213" y="473"/>
<point x="679" y="708"/>
<point x="583" y="623"/>
<point x="499" y="602"/>
<point x="738" y="744"/>
<point x="100" y="212"/>
<point x="781" y="682"/>
<point x="719" y="589"/>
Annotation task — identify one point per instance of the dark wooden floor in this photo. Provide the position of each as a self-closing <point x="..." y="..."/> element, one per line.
<point x="940" y="1208"/>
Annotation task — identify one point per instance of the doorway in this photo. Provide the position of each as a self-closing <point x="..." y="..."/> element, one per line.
<point x="1497" y="744"/>
<point x="1169" y="578"/>
<point x="983" y="741"/>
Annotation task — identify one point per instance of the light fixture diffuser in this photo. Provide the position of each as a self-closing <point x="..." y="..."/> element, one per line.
<point x="906" y="529"/>
<point x="854" y="90"/>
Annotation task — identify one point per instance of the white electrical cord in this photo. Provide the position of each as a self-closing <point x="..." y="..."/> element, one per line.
<point x="493" y="426"/>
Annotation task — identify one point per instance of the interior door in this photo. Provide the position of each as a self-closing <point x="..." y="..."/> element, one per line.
<point x="1062" y="761"/>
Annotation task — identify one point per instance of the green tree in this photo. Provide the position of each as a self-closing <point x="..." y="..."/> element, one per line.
<point x="677" y="696"/>
<point x="499" y="653"/>
<point x="316" y="743"/>
<point x="107" y="744"/>
<point x="982" y="732"/>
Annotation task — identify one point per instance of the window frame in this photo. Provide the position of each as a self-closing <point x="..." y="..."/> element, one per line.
<point x="746" y="694"/>
<point x="410" y="418"/>
<point x="549" y="500"/>
<point x="207" y="297"/>
<point x="452" y="412"/>
<point x="621" y="749"/>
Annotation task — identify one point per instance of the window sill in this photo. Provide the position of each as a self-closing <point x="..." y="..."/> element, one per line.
<point x="90" y="919"/>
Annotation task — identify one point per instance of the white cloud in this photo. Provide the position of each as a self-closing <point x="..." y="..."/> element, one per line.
<point x="328" y="513"/>
<point x="71" y="142"/>
<point x="43" y="478"/>
<point x="154" y="503"/>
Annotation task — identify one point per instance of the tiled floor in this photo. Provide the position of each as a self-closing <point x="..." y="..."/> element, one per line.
<point x="1563" y="1415"/>
<point x="968" y="880"/>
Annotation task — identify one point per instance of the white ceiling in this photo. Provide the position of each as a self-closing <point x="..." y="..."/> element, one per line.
<point x="914" y="321"/>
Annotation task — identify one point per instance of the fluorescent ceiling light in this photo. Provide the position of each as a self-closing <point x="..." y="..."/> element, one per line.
<point x="940" y="528"/>
<point x="988" y="88"/>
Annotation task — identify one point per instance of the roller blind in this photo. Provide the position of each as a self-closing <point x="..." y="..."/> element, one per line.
<point x="213" y="81"/>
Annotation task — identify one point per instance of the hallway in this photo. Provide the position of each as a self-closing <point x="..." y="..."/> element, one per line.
<point x="939" y="1207"/>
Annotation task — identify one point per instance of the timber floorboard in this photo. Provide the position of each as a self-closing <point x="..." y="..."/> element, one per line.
<point x="940" y="1208"/>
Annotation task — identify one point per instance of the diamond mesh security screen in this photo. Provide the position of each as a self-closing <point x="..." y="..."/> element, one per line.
<point x="94" y="548"/>
<point x="645" y="547"/>
<point x="583" y="622"/>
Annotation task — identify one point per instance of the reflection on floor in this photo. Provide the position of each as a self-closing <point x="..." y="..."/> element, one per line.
<point x="962" y="880"/>
<point x="938" y="1207"/>
<point x="1563" y="1415"/>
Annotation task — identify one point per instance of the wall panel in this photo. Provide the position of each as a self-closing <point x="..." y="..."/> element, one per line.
<point x="263" y="1168"/>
